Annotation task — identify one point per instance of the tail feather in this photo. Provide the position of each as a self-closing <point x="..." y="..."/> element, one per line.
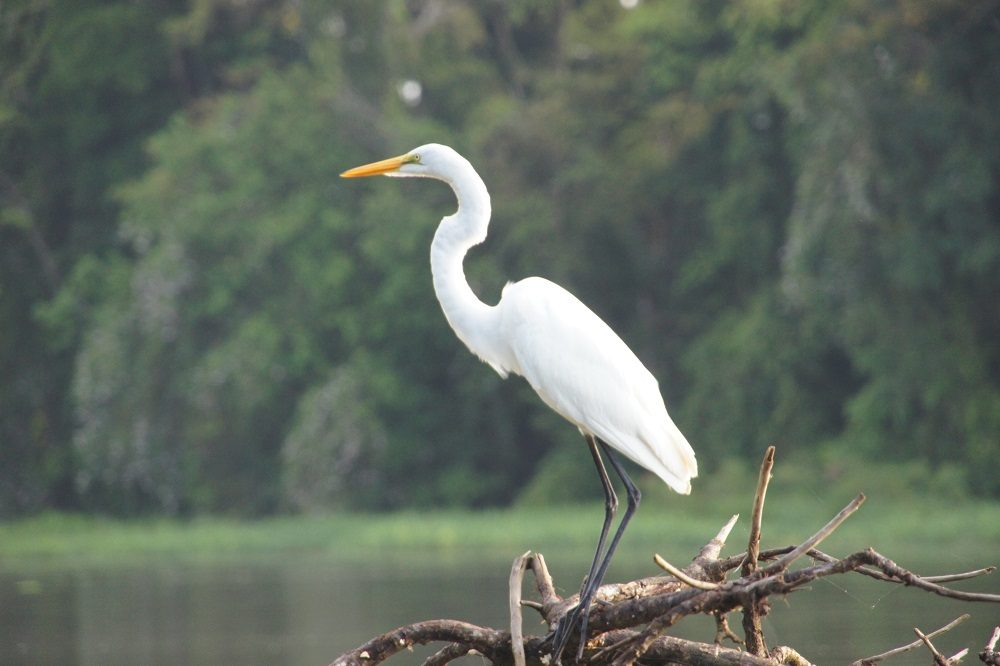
<point x="677" y="462"/>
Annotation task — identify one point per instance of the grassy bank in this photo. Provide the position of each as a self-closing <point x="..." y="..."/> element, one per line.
<point x="967" y="529"/>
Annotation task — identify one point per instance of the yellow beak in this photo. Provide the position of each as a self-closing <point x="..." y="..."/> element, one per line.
<point x="378" y="168"/>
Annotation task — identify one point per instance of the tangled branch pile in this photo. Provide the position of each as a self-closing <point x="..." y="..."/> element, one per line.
<point x="628" y="619"/>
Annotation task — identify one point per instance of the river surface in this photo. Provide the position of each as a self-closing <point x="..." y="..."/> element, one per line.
<point x="306" y="609"/>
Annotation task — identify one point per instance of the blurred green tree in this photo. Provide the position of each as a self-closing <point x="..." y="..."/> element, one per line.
<point x="81" y="86"/>
<point x="893" y="246"/>
<point x="788" y="209"/>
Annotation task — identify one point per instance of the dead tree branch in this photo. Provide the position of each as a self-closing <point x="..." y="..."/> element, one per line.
<point x="990" y="655"/>
<point x="939" y="659"/>
<point x="756" y="607"/>
<point x="627" y="619"/>
<point x="870" y="661"/>
<point x="516" y="578"/>
<point x="447" y="654"/>
<point x="488" y="642"/>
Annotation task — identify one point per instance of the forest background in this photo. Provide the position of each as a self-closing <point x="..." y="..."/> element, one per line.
<point x="789" y="209"/>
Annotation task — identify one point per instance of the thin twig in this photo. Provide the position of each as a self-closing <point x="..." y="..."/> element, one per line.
<point x="950" y="578"/>
<point x="683" y="577"/>
<point x="818" y="555"/>
<point x="906" y="577"/>
<point x="878" y="575"/>
<point x="785" y="560"/>
<point x="939" y="659"/>
<point x="874" y="659"/>
<point x="753" y="547"/>
<point x="791" y="580"/>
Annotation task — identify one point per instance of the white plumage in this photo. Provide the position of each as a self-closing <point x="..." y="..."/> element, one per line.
<point x="584" y="371"/>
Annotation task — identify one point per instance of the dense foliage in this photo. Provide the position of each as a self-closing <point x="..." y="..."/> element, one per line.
<point x="790" y="210"/>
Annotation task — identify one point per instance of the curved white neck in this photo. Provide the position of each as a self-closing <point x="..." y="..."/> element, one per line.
<point x="471" y="319"/>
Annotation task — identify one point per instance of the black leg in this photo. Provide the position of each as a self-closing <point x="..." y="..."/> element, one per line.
<point x="593" y="581"/>
<point x="610" y="508"/>
<point x="569" y="621"/>
<point x="634" y="497"/>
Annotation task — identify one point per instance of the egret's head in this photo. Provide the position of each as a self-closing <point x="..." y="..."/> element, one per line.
<point x="429" y="161"/>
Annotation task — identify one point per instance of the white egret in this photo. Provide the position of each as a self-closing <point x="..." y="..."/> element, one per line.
<point x="578" y="366"/>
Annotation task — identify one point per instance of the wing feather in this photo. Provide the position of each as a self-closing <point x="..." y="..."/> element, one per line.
<point x="586" y="373"/>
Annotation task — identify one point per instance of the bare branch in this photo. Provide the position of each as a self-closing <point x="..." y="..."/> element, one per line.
<point x="711" y="550"/>
<point x="753" y="547"/>
<point x="380" y="648"/>
<point x="516" y="578"/>
<point x="990" y="655"/>
<point x="754" y="608"/>
<point x="878" y="575"/>
<point x="543" y="580"/>
<point x="683" y="577"/>
<point x="965" y="575"/>
<point x="660" y="602"/>
<point x="447" y="654"/>
<point x="939" y="659"/>
<point x="785" y="560"/>
<point x="868" y="661"/>
<point x="893" y="570"/>
<point x="705" y="565"/>
<point x="992" y="644"/>
<point x="958" y="656"/>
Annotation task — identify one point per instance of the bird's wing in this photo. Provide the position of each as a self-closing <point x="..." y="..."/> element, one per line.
<point x="586" y="373"/>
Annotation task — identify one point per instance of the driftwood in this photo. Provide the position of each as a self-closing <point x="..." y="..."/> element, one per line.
<point x="627" y="620"/>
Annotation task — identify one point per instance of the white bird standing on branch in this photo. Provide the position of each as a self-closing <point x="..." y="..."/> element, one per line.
<point x="578" y="366"/>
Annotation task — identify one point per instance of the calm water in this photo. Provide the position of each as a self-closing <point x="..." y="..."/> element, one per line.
<point x="307" y="610"/>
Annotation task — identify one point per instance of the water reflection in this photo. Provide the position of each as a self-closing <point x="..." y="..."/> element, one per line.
<point x="298" y="609"/>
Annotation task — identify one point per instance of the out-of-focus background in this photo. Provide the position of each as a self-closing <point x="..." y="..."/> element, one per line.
<point x="789" y="209"/>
